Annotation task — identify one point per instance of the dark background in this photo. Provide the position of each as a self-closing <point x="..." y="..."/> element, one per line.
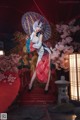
<point x="56" y="11"/>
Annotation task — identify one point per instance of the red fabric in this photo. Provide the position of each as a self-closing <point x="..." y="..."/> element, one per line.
<point x="31" y="47"/>
<point x="8" y="92"/>
<point x="42" y="69"/>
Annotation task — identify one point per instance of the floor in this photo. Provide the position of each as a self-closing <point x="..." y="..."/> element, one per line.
<point x="38" y="112"/>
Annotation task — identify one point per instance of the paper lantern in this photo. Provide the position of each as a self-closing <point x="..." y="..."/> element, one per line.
<point x="74" y="60"/>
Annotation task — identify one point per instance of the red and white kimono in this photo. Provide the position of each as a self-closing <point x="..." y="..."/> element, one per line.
<point x="43" y="64"/>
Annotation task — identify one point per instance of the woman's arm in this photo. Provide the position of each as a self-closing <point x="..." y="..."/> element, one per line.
<point x="41" y="37"/>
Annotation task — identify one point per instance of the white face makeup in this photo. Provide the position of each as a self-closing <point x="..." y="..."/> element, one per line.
<point x="37" y="29"/>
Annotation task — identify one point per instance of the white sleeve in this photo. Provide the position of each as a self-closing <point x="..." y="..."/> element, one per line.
<point x="48" y="50"/>
<point x="38" y="44"/>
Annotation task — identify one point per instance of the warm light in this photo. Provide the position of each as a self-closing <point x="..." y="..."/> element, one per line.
<point x="73" y="117"/>
<point x="74" y="61"/>
<point x="1" y="52"/>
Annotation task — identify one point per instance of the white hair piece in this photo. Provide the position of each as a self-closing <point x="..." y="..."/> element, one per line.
<point x="37" y="24"/>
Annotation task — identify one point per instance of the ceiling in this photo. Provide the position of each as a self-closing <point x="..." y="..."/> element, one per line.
<point x="55" y="11"/>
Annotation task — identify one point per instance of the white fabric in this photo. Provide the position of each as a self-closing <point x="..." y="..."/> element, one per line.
<point x="38" y="45"/>
<point x="47" y="50"/>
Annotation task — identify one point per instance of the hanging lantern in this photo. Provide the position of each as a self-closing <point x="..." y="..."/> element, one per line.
<point x="1" y="52"/>
<point x="1" y="48"/>
<point x="74" y="60"/>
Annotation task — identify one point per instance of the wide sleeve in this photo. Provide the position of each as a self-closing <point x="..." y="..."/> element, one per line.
<point x="38" y="44"/>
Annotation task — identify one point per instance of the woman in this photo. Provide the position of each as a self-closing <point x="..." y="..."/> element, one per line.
<point x="35" y="42"/>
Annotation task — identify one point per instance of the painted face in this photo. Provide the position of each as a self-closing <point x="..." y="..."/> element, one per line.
<point x="38" y="29"/>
